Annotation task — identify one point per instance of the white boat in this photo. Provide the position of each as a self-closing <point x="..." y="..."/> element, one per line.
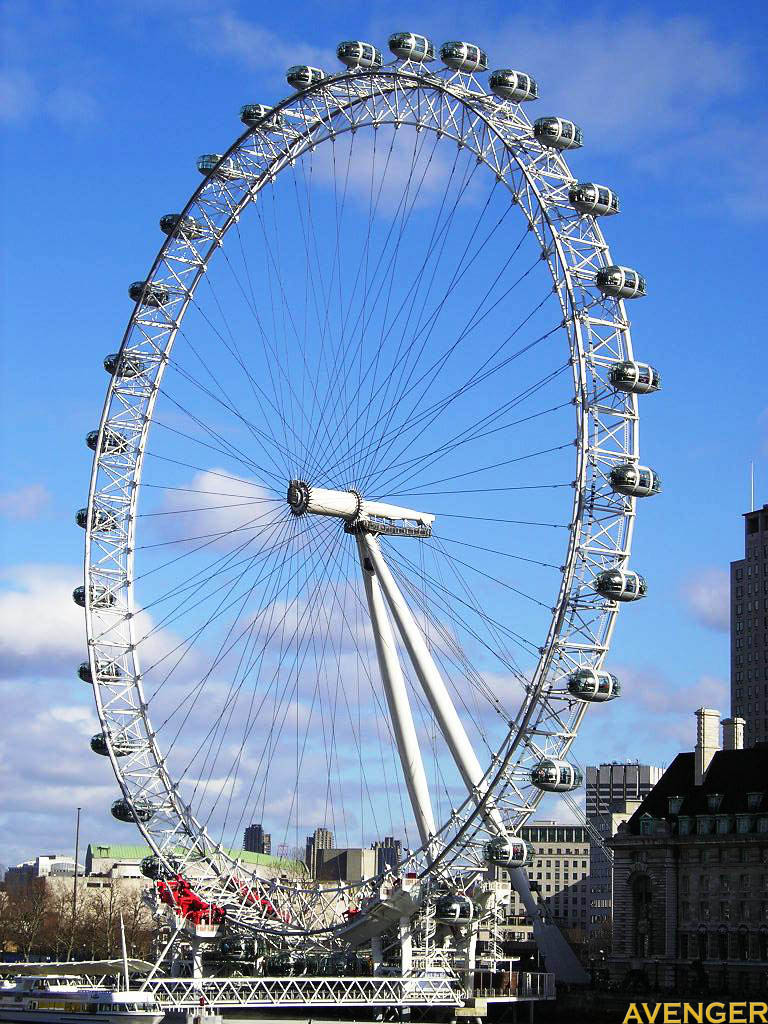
<point x="64" y="999"/>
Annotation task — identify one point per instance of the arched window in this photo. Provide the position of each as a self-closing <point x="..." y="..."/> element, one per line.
<point x="641" y="915"/>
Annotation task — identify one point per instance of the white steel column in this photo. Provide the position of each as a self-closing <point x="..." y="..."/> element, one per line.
<point x="550" y="940"/>
<point x="399" y="705"/>
<point x="432" y="682"/>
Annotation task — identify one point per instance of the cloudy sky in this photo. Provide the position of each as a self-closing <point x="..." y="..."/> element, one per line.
<point x="104" y="110"/>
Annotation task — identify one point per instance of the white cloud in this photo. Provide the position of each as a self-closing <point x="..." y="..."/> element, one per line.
<point x="224" y="32"/>
<point x="707" y="595"/>
<point x="18" y="94"/>
<point x="26" y="502"/>
<point x="42" y="631"/>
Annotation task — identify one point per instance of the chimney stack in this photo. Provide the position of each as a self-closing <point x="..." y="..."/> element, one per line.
<point x="707" y="741"/>
<point x="733" y="733"/>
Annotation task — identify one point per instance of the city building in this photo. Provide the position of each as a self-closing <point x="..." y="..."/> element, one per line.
<point x="559" y="872"/>
<point x="321" y="839"/>
<point x="749" y="629"/>
<point x="256" y="840"/>
<point x="690" y="876"/>
<point x="50" y="865"/>
<point x="614" y="792"/>
<point x="389" y="853"/>
<point x="344" y="865"/>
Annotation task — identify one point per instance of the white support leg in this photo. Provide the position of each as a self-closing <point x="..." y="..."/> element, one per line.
<point x="399" y="705"/>
<point x="432" y="682"/>
<point x="549" y="938"/>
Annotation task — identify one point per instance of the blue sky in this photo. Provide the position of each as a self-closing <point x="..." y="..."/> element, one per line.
<point x="104" y="113"/>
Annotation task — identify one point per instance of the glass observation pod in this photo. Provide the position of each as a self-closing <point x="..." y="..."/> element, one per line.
<point x="215" y="164"/>
<point x="153" y="867"/>
<point x="454" y="910"/>
<point x="621" y="585"/>
<point x="513" y="85"/>
<point x="107" y="672"/>
<point x="511" y="852"/>
<point x="123" y="811"/>
<point x="101" y="597"/>
<point x="635" y="481"/>
<point x="594" y="685"/>
<point x="184" y="227"/>
<point x="356" y="54"/>
<point x="558" y="133"/>
<point x="410" y="46"/>
<point x="113" y="441"/>
<point x="127" y="365"/>
<point x="121" y="746"/>
<point x="149" y="293"/>
<point x="636" y="378"/>
<point x="620" y="282"/>
<point x="100" y="519"/>
<point x="463" y="56"/>
<point x="554" y="776"/>
<point x="599" y="200"/>
<point x="252" y="114"/>
<point x="301" y="76"/>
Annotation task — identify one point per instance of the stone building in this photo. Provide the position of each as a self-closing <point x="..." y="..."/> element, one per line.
<point x="559" y="873"/>
<point x="690" y="874"/>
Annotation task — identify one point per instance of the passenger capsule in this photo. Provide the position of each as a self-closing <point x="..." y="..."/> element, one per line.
<point x="558" y="133"/>
<point x="621" y="585"/>
<point x="599" y="200"/>
<point x="141" y="810"/>
<point x="593" y="685"/>
<point x="301" y="76"/>
<point x="112" y="442"/>
<point x="184" y="227"/>
<point x="121" y="746"/>
<point x="554" y="776"/>
<point x="410" y="46"/>
<point x="513" y="85"/>
<point x="509" y="852"/>
<point x="620" y="282"/>
<point x="636" y="378"/>
<point x="106" y="672"/>
<point x="252" y="114"/>
<point x="454" y="910"/>
<point x="356" y="54"/>
<point x="101" y="519"/>
<point x="463" y="57"/>
<point x="101" y="597"/>
<point x="635" y="481"/>
<point x="215" y="164"/>
<point x="149" y="293"/>
<point x="127" y="365"/>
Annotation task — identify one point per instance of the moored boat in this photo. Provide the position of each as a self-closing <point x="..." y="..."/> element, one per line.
<point x="65" y="999"/>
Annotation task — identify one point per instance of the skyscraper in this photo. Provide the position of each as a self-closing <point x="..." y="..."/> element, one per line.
<point x="321" y="839"/>
<point x="749" y="629"/>
<point x="389" y="853"/>
<point x="614" y="792"/>
<point x="256" y="840"/>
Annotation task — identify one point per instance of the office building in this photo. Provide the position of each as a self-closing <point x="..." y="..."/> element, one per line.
<point x="389" y="853"/>
<point x="256" y="840"/>
<point x="321" y="839"/>
<point x="614" y="792"/>
<point x="690" y="877"/>
<point x="749" y="629"/>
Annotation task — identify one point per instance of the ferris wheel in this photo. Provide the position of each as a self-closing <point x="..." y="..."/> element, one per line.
<point x="363" y="491"/>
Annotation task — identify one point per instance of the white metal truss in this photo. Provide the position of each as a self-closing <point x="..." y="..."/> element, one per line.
<point x="596" y="331"/>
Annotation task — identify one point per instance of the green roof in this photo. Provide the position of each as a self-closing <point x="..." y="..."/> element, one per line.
<point x="127" y="851"/>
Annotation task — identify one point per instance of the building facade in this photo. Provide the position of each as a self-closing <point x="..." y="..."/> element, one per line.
<point x="256" y="840"/>
<point x="691" y="870"/>
<point x="749" y="629"/>
<point x="321" y="839"/>
<point x="559" y="874"/>
<point x="614" y="792"/>
<point x="389" y="853"/>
